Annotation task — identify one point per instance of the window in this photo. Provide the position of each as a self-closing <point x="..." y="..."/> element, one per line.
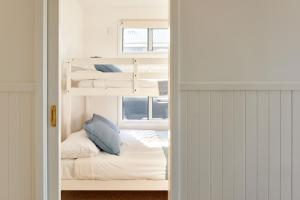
<point x="160" y="40"/>
<point x="135" y="40"/>
<point x="135" y="108"/>
<point x="144" y="108"/>
<point x="159" y="108"/>
<point x="144" y="37"/>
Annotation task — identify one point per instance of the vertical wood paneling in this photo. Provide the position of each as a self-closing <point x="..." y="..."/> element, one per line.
<point x="16" y="146"/>
<point x="199" y="145"/>
<point x="286" y="149"/>
<point x="296" y="146"/>
<point x="4" y="146"/>
<point x="216" y="119"/>
<point x="194" y="148"/>
<point x="228" y="146"/>
<point x="204" y="143"/>
<point x="20" y="137"/>
<point x="251" y="145"/>
<point x="239" y="144"/>
<point x="15" y="149"/>
<point x="274" y="140"/>
<point x="27" y="143"/>
<point x="184" y="145"/>
<point x="263" y="146"/>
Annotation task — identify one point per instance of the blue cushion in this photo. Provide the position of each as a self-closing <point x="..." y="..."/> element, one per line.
<point x="107" y="68"/>
<point x="103" y="135"/>
<point x="109" y="123"/>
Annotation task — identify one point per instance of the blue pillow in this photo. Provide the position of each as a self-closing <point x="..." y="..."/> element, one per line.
<point x="107" y="68"/>
<point x="103" y="135"/>
<point x="109" y="123"/>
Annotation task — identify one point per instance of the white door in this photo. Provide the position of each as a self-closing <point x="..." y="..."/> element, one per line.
<point x="53" y="100"/>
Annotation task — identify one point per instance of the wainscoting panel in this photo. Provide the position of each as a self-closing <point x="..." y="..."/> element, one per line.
<point x="16" y="143"/>
<point x="240" y="144"/>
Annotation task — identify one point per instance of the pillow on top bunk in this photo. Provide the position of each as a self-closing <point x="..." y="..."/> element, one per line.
<point x="102" y="132"/>
<point x="107" y="68"/>
<point x="78" y="145"/>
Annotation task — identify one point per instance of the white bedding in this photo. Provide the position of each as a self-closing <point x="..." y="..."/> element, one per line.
<point x="141" y="158"/>
<point x="78" y="145"/>
<point x="116" y="84"/>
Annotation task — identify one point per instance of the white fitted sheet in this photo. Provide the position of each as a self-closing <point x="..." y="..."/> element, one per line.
<point x="141" y="158"/>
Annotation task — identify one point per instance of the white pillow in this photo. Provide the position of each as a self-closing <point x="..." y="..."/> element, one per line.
<point x="78" y="145"/>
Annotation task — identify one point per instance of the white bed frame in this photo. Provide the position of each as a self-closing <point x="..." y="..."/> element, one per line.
<point x="114" y="185"/>
<point x="133" y="76"/>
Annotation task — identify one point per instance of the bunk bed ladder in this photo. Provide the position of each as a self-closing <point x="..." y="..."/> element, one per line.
<point x="68" y="101"/>
<point x="135" y="76"/>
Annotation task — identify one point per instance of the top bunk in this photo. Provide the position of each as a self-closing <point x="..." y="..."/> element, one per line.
<point x="117" y="77"/>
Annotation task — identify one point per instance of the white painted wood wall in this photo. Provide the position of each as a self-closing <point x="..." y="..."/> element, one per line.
<point x="16" y="142"/>
<point x="241" y="143"/>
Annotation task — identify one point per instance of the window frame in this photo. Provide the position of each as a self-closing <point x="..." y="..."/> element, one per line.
<point x="153" y="124"/>
<point x="149" y="24"/>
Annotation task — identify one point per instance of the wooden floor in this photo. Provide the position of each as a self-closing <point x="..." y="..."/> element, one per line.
<point x="78" y="195"/>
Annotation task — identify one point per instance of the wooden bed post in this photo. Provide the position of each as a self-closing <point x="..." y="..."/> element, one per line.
<point x="68" y="99"/>
<point x="135" y="75"/>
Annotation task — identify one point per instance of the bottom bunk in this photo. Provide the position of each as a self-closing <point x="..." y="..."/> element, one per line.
<point x="141" y="165"/>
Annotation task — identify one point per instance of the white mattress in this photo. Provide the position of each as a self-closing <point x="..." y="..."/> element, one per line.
<point x="67" y="168"/>
<point x="116" y="84"/>
<point x="141" y="158"/>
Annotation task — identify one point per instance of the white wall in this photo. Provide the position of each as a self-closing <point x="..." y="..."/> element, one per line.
<point x="231" y="40"/>
<point x="98" y="26"/>
<point x="101" y="18"/>
<point x="71" y="25"/>
<point x="71" y="46"/>
<point x="17" y="41"/>
<point x="106" y="106"/>
<point x="238" y="140"/>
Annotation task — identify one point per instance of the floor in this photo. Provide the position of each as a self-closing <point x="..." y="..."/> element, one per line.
<point x="78" y="195"/>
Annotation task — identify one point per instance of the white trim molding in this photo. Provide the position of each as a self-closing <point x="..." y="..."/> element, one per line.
<point x="145" y="23"/>
<point x="115" y="185"/>
<point x="238" y="86"/>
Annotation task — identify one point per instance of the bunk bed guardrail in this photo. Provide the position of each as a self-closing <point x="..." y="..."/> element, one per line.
<point x="135" y="76"/>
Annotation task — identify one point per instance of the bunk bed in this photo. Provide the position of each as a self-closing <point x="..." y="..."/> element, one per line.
<point x="136" y="77"/>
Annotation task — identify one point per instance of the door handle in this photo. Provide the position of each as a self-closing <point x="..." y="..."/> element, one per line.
<point x="53" y="116"/>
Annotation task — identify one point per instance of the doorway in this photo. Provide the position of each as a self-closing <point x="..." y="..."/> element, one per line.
<point x="118" y="99"/>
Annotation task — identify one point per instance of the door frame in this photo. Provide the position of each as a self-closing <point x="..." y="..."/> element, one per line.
<point x="40" y="122"/>
<point x="47" y="183"/>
